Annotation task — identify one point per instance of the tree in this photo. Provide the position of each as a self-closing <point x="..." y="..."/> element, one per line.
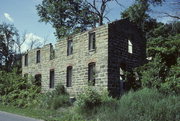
<point x="8" y="36"/>
<point x="162" y="71"/>
<point x="139" y="14"/>
<point x="174" y="5"/>
<point x="101" y="11"/>
<point x="66" y="16"/>
<point x="71" y="16"/>
<point x="20" y="41"/>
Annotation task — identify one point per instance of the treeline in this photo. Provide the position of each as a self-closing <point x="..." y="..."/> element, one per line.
<point x="163" y="50"/>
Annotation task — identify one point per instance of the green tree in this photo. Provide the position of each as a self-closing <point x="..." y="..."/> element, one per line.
<point x="162" y="71"/>
<point x="71" y="16"/>
<point x="101" y="11"/>
<point x="66" y="16"/>
<point x="8" y="38"/>
<point x="139" y="14"/>
<point x="165" y="41"/>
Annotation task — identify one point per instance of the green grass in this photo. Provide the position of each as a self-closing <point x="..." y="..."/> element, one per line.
<point x="142" y="105"/>
<point x="30" y="112"/>
<point x="62" y="114"/>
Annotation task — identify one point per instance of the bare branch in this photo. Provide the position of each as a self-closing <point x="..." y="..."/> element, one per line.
<point x="107" y="18"/>
<point x="172" y="16"/>
<point x="94" y="7"/>
<point x="119" y="4"/>
<point x="107" y="12"/>
<point x="23" y="38"/>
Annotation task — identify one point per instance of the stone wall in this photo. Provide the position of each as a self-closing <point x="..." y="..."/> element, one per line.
<point x="119" y="34"/>
<point x="79" y="61"/>
<point x="110" y="54"/>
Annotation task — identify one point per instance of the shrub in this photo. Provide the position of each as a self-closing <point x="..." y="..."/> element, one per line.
<point x="55" y="99"/>
<point x="16" y="90"/>
<point x="91" y="99"/>
<point x="155" y="74"/>
<point x="88" y="99"/>
<point x="142" y="105"/>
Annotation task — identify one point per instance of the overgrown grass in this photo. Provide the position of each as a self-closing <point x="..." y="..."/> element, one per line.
<point x="62" y="114"/>
<point x="55" y="99"/>
<point x="142" y="105"/>
<point x="16" y="90"/>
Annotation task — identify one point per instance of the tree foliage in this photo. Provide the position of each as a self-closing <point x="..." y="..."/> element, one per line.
<point x="162" y="71"/>
<point x="8" y="38"/>
<point x="139" y="14"/>
<point x="16" y="90"/>
<point x="66" y="16"/>
<point x="71" y="16"/>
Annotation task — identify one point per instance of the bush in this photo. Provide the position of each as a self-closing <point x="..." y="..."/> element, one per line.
<point x="55" y="99"/>
<point x="16" y="90"/>
<point x="142" y="105"/>
<point x="172" y="81"/>
<point x="155" y="74"/>
<point x="90" y="100"/>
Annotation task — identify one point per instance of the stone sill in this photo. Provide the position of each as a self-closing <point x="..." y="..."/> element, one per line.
<point x="92" y="51"/>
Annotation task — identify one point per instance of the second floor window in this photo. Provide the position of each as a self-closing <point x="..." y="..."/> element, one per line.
<point x="130" y="47"/>
<point x="26" y="60"/>
<point x="92" y="41"/>
<point x="70" y="47"/>
<point x="38" y="56"/>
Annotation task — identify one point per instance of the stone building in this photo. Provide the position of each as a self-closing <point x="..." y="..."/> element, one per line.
<point x="97" y="57"/>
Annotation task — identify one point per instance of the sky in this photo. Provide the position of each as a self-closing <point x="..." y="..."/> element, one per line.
<point x="23" y="14"/>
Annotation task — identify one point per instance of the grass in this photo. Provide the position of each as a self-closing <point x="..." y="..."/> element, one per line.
<point x="34" y="113"/>
<point x="62" y="114"/>
<point x="142" y="105"/>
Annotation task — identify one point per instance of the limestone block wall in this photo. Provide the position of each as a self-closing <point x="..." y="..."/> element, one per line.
<point x="79" y="61"/>
<point x="42" y="68"/>
<point x="111" y="52"/>
<point x="119" y="34"/>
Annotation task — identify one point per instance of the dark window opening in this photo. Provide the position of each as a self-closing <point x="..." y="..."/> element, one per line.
<point x="38" y="56"/>
<point x="123" y="84"/>
<point x="38" y="80"/>
<point x="51" y="83"/>
<point x="69" y="76"/>
<point x="122" y="72"/>
<point x="70" y="47"/>
<point x="26" y="75"/>
<point x="26" y="60"/>
<point x="92" y="41"/>
<point x="91" y="74"/>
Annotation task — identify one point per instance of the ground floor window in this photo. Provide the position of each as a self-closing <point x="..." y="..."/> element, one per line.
<point x="37" y="81"/>
<point x="91" y="74"/>
<point x="51" y="83"/>
<point x="69" y="76"/>
<point x="26" y="75"/>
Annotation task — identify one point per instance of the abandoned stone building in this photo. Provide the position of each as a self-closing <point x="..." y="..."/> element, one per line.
<point x="97" y="57"/>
